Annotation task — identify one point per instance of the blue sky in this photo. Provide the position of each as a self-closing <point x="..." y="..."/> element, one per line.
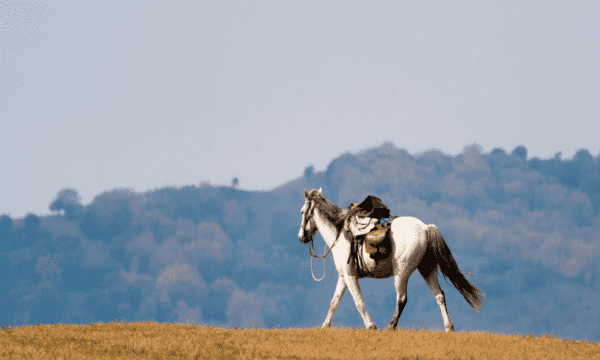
<point x="145" y="94"/>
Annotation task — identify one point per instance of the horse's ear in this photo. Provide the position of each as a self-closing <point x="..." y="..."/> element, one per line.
<point x="305" y="193"/>
<point x="320" y="192"/>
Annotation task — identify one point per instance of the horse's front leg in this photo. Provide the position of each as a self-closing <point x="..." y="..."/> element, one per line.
<point x="354" y="287"/>
<point x="340" y="289"/>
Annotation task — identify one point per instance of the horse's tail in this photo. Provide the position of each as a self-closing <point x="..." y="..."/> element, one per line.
<point x="449" y="268"/>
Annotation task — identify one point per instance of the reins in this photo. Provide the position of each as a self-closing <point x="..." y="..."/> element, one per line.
<point x="312" y="254"/>
<point x="311" y="249"/>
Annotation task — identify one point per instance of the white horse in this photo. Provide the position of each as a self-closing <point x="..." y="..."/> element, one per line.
<point x="415" y="245"/>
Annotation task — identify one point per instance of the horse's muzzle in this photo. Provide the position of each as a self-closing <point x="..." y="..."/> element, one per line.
<point x="304" y="238"/>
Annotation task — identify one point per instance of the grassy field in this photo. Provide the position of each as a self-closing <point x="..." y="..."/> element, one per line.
<point x="148" y="340"/>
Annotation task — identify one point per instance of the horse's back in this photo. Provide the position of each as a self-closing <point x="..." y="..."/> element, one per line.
<point x="408" y="224"/>
<point x="408" y="236"/>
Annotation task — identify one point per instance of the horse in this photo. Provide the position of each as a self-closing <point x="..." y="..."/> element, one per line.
<point x="414" y="245"/>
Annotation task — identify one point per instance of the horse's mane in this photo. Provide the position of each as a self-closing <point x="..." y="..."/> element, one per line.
<point x="329" y="210"/>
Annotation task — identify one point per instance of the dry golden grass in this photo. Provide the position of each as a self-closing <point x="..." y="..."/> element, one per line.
<point x="148" y="340"/>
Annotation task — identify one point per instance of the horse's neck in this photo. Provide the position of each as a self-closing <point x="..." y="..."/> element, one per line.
<point x="327" y="229"/>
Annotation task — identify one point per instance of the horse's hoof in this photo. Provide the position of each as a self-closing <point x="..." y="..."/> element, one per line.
<point x="390" y="328"/>
<point x="450" y="329"/>
<point x="372" y="327"/>
<point x="324" y="327"/>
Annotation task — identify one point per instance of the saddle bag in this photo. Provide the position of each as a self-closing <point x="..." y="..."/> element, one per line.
<point x="373" y="240"/>
<point x="377" y="242"/>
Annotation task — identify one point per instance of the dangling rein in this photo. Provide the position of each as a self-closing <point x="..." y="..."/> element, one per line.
<point x="311" y="249"/>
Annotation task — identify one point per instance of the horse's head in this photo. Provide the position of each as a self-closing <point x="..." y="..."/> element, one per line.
<point x="308" y="227"/>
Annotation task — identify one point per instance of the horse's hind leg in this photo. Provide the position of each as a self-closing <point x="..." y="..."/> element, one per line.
<point x="354" y="287"/>
<point x="400" y="282"/>
<point x="340" y="289"/>
<point x="431" y="278"/>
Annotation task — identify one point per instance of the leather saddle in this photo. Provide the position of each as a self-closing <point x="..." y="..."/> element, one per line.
<point x="368" y="223"/>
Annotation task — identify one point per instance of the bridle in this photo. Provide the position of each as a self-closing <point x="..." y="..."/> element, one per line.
<point x="311" y="248"/>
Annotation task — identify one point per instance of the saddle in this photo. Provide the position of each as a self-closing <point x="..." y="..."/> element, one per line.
<point x="368" y="223"/>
